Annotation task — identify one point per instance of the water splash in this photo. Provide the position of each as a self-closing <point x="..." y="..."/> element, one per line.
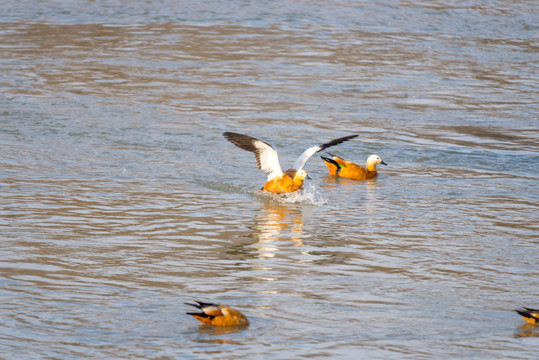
<point x="308" y="195"/>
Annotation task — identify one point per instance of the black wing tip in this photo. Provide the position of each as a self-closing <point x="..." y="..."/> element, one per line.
<point x="200" y="314"/>
<point x="201" y="304"/>
<point x="524" y="311"/>
<point x="230" y="133"/>
<point x="233" y="135"/>
<point x="337" y="141"/>
<point x="198" y="306"/>
<point x="242" y="141"/>
<point x="205" y="304"/>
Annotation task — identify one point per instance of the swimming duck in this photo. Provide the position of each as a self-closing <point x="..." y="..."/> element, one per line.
<point x="340" y="167"/>
<point x="218" y="315"/>
<point x="529" y="315"/>
<point x="279" y="181"/>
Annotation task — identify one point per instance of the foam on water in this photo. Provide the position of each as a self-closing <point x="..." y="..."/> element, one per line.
<point x="308" y="195"/>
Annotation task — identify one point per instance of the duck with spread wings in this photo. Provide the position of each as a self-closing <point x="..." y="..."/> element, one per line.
<point x="279" y="181"/>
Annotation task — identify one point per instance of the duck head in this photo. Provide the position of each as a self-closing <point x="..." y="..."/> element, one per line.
<point x="300" y="176"/>
<point x="374" y="160"/>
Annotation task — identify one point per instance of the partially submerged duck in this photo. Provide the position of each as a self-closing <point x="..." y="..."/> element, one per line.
<point x="218" y="315"/>
<point x="529" y="315"/>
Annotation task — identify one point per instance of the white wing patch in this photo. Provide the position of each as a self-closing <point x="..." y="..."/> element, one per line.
<point x="267" y="159"/>
<point x="300" y="162"/>
<point x="266" y="156"/>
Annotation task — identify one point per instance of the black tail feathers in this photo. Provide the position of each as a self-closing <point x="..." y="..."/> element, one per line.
<point x="331" y="161"/>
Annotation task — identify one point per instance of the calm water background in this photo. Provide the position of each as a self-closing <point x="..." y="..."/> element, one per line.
<point x="120" y="199"/>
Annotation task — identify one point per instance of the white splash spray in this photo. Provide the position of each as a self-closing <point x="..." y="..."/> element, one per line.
<point x="308" y="195"/>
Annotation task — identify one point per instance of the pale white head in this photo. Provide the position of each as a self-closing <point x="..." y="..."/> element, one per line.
<point x="374" y="160"/>
<point x="301" y="175"/>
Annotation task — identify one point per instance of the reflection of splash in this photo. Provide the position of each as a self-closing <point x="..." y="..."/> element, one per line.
<point x="271" y="224"/>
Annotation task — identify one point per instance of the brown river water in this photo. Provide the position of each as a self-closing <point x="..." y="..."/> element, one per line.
<point x="120" y="199"/>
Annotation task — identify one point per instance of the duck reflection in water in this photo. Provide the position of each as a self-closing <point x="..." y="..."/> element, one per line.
<point x="527" y="330"/>
<point x="277" y="222"/>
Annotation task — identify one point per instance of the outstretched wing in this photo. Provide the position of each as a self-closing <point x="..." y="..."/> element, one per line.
<point x="300" y="162"/>
<point x="266" y="156"/>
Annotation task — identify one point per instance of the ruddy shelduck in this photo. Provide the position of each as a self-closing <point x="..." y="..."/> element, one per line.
<point x="529" y="315"/>
<point x="340" y="167"/>
<point x="218" y="315"/>
<point x="279" y="181"/>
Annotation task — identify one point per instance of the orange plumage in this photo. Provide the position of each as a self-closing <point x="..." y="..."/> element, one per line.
<point x="286" y="183"/>
<point x="218" y="315"/>
<point x="340" y="167"/>
<point x="529" y="315"/>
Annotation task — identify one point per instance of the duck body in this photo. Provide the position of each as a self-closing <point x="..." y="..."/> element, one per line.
<point x="279" y="181"/>
<point x="340" y="167"/>
<point x="529" y="315"/>
<point x="218" y="315"/>
<point x="285" y="183"/>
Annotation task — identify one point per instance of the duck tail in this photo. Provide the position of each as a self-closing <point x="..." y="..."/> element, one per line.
<point x="528" y="315"/>
<point x="332" y="165"/>
<point x="201" y="315"/>
<point x="336" y="158"/>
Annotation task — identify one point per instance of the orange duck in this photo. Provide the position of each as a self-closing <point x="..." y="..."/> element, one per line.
<point x="347" y="169"/>
<point x="529" y="315"/>
<point x="218" y="315"/>
<point x="279" y="181"/>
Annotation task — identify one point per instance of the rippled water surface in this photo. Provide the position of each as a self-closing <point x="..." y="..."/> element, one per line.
<point x="120" y="199"/>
